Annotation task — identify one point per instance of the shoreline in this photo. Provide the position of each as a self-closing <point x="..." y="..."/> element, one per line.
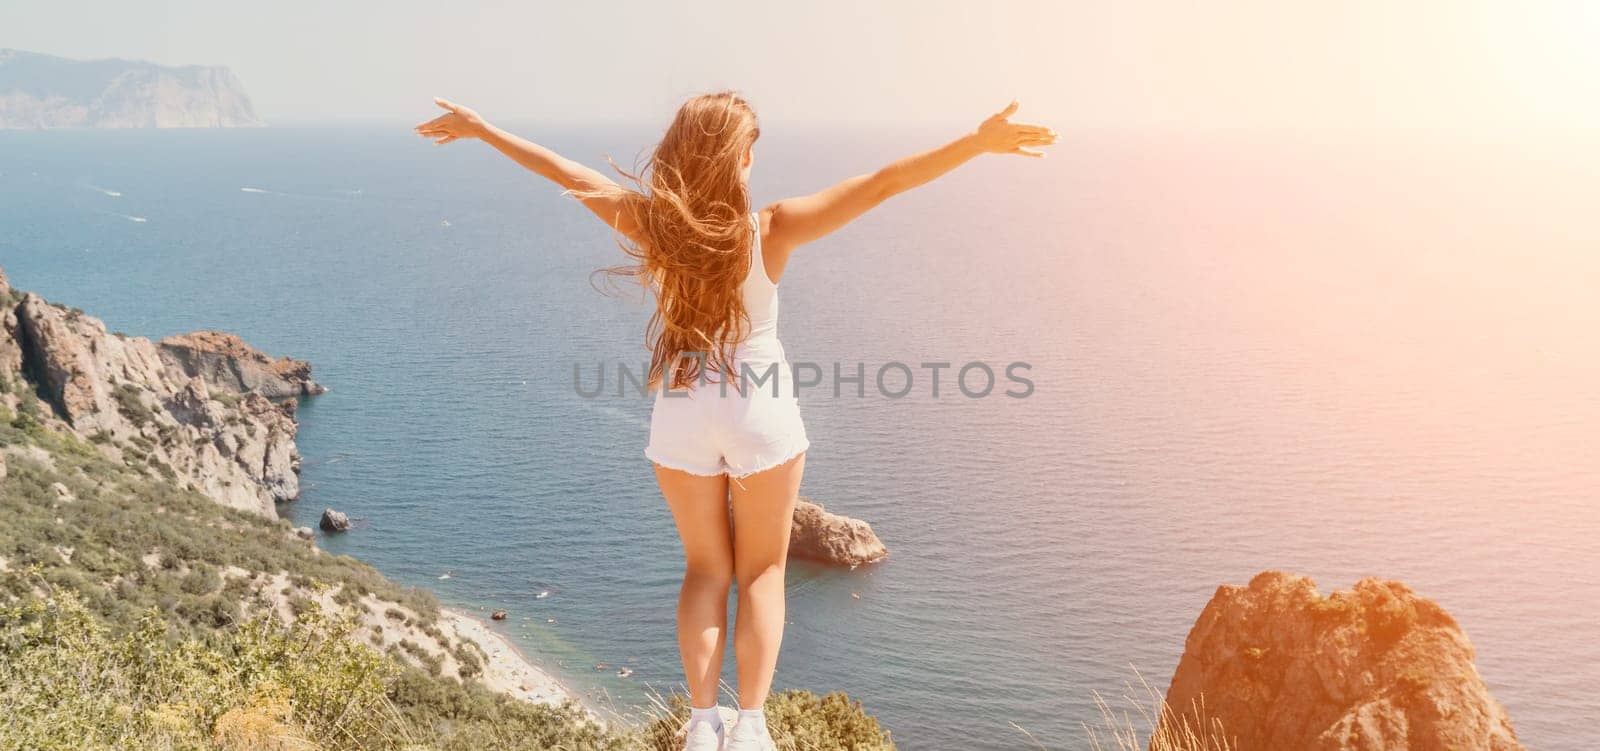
<point x="508" y="671"/>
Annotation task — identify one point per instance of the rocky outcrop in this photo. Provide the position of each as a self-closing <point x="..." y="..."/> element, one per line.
<point x="830" y="538"/>
<point x="10" y="336"/>
<point x="334" y="521"/>
<point x="44" y="91"/>
<point x="121" y="394"/>
<point x="1376" y="667"/>
<point x="62" y="348"/>
<point x="228" y="364"/>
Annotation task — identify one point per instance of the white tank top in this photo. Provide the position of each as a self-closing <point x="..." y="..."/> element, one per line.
<point x="760" y="345"/>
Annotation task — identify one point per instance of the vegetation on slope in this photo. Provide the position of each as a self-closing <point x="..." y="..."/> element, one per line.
<point x="131" y="616"/>
<point x="69" y="682"/>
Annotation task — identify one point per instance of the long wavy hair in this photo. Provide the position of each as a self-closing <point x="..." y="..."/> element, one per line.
<point x="692" y="248"/>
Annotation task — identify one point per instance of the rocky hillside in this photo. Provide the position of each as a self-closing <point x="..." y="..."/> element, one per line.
<point x="191" y="412"/>
<point x="1280" y="666"/>
<point x="43" y="91"/>
<point x="139" y="473"/>
<point x="188" y="409"/>
<point x="151" y="598"/>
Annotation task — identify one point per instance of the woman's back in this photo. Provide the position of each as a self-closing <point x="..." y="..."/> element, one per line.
<point x="760" y="345"/>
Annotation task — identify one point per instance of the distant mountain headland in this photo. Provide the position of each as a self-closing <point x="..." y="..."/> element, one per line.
<point x="44" y="91"/>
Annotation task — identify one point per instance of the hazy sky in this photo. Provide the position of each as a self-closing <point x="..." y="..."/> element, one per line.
<point x="1273" y="63"/>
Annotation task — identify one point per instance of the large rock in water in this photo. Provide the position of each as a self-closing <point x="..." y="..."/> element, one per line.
<point x="1377" y="667"/>
<point x="119" y="393"/>
<point x="830" y="538"/>
<point x="227" y="363"/>
<point x="334" y="521"/>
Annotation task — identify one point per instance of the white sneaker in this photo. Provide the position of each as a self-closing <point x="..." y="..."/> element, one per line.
<point x="748" y="736"/>
<point x="700" y="737"/>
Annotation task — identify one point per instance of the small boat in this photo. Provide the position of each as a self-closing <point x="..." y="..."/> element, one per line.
<point x="624" y="672"/>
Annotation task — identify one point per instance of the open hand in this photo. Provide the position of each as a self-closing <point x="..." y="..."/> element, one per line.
<point x="456" y="122"/>
<point x="998" y="135"/>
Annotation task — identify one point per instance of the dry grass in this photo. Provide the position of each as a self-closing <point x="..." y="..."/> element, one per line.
<point x="1142" y="721"/>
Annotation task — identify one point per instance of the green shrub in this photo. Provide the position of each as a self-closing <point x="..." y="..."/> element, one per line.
<point x="27" y="422"/>
<point x="347" y="596"/>
<point x="300" y="605"/>
<point x="130" y="402"/>
<point x="28" y="403"/>
<point x="797" y="719"/>
<point x="467" y="656"/>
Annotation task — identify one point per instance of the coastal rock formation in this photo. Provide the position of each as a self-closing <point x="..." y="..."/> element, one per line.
<point x="334" y="521"/>
<point x="143" y="422"/>
<point x="120" y="393"/>
<point x="830" y="538"/>
<point x="228" y="364"/>
<point x="44" y="91"/>
<point x="10" y="343"/>
<point x="1376" y="667"/>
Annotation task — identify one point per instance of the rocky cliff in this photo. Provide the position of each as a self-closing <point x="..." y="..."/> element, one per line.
<point x="1377" y="667"/>
<point x="198" y="414"/>
<point x="226" y="363"/>
<point x="43" y="91"/>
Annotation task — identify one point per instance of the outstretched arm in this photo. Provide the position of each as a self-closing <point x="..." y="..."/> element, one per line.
<point x="590" y="184"/>
<point x="795" y="221"/>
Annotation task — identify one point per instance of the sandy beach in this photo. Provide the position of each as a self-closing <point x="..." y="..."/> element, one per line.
<point x="507" y="670"/>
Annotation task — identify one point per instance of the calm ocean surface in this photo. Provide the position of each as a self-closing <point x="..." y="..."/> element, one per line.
<point x="1341" y="357"/>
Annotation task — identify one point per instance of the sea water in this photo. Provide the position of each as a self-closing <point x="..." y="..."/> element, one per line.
<point x="1342" y="355"/>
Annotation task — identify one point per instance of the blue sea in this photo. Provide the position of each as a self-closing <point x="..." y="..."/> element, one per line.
<point x="1344" y="355"/>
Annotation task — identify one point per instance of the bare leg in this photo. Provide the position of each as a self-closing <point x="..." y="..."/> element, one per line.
<point x="700" y="509"/>
<point x="763" y="510"/>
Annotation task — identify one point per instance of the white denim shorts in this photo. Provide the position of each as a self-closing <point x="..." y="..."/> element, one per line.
<point x="704" y="431"/>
